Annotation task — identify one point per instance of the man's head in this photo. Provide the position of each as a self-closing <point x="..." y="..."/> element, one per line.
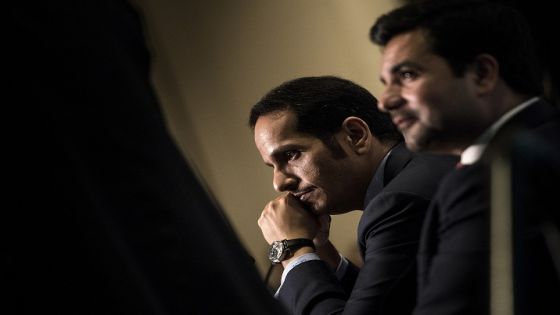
<point x="324" y="137"/>
<point x="451" y="68"/>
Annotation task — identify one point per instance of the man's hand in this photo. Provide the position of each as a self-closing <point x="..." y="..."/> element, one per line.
<point x="325" y="249"/>
<point x="286" y="218"/>
<point x="322" y="236"/>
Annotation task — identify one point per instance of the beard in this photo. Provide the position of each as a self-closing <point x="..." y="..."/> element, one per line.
<point x="425" y="138"/>
<point x="440" y="140"/>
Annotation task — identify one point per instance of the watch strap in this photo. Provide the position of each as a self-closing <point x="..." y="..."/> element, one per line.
<point x="293" y="245"/>
<point x="284" y="249"/>
<point x="297" y="243"/>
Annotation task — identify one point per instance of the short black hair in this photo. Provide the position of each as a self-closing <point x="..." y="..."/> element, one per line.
<point x="460" y="30"/>
<point x="322" y="103"/>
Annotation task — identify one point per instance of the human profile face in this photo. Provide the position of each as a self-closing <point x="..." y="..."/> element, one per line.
<point x="305" y="167"/>
<point x="434" y="109"/>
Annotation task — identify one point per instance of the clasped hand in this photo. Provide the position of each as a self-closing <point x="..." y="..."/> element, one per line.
<point x="286" y="218"/>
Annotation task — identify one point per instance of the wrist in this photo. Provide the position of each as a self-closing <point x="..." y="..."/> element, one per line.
<point x="280" y="251"/>
<point x="329" y="254"/>
<point x="297" y="253"/>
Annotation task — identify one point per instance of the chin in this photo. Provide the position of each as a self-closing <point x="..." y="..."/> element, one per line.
<point x="318" y="209"/>
<point x="331" y="210"/>
<point x="412" y="144"/>
<point x="423" y="139"/>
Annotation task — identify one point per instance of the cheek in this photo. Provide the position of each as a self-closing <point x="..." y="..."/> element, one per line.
<point x="416" y="98"/>
<point x="331" y="176"/>
<point x="429" y="115"/>
<point x="320" y="169"/>
<point x="323" y="173"/>
<point x="309" y="171"/>
<point x="429" y="106"/>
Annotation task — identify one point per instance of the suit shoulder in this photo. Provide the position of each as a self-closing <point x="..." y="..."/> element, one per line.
<point x="422" y="174"/>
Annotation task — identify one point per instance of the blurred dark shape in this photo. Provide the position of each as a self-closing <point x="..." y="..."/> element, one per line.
<point x="535" y="170"/>
<point x="542" y="20"/>
<point x="104" y="215"/>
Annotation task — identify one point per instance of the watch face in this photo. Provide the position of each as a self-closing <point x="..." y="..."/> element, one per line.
<point x="275" y="252"/>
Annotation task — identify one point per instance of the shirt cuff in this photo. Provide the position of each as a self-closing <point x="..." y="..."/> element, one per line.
<point x="301" y="259"/>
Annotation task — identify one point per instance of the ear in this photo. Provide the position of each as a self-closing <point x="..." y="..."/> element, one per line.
<point x="486" y="73"/>
<point x="356" y="134"/>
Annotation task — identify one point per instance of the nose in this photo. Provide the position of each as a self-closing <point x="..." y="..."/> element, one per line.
<point x="283" y="181"/>
<point x="390" y="99"/>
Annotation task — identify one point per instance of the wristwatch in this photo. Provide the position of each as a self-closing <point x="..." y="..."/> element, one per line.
<point x="282" y="250"/>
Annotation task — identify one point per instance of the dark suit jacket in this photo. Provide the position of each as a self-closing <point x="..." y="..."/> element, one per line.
<point x="388" y="235"/>
<point x="454" y="251"/>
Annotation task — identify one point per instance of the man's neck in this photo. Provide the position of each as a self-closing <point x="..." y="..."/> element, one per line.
<point x="473" y="153"/>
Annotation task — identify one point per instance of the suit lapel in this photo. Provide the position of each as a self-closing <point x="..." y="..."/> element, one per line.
<point x="534" y="115"/>
<point x="396" y="161"/>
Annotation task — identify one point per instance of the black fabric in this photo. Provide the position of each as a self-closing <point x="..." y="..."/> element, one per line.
<point x="536" y="228"/>
<point x="106" y="217"/>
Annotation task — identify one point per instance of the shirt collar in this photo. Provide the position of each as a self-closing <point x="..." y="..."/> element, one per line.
<point x="473" y="153"/>
<point x="376" y="184"/>
<point x="380" y="171"/>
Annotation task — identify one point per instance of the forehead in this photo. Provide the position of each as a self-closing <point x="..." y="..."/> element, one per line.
<point x="411" y="45"/>
<point x="278" y="129"/>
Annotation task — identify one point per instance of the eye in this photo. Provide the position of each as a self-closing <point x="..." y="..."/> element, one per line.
<point x="291" y="155"/>
<point x="407" y="75"/>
